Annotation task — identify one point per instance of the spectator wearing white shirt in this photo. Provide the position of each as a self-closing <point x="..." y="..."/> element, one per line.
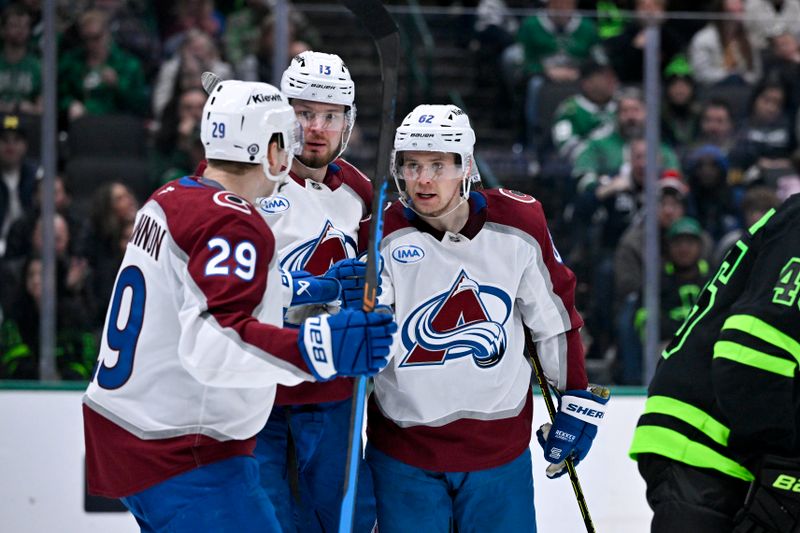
<point x="767" y="18"/>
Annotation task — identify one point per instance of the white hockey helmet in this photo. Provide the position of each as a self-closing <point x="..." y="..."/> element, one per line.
<point x="240" y="118"/>
<point x="436" y="128"/>
<point x="320" y="77"/>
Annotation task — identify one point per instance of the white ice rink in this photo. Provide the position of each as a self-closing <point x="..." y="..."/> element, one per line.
<point x="41" y="471"/>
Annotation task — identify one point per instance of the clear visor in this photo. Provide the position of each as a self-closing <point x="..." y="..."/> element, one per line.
<point x="412" y="170"/>
<point x="327" y="120"/>
<point x="296" y="139"/>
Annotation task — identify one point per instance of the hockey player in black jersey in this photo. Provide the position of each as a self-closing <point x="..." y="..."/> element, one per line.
<point x="719" y="440"/>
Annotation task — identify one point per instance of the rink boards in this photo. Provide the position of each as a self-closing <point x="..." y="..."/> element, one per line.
<point x="42" y="470"/>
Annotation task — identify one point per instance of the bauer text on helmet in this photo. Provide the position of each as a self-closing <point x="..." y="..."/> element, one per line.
<point x="435" y="128"/>
<point x="239" y="120"/>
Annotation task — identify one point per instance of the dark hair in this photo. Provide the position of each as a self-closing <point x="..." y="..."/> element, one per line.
<point x="24" y="311"/>
<point x="759" y="198"/>
<point x="717" y="102"/>
<point x="13" y="10"/>
<point x="733" y="30"/>
<point x="106" y="226"/>
<point x="768" y="82"/>
<point x="167" y="135"/>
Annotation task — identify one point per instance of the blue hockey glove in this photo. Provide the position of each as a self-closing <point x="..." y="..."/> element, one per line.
<point x="301" y="288"/>
<point x="351" y="274"/>
<point x="574" y="428"/>
<point x="349" y="343"/>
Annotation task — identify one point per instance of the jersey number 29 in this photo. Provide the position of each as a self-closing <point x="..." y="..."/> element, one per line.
<point x="123" y="339"/>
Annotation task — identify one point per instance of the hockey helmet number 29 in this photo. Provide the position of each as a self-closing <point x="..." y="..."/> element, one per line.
<point x="239" y="119"/>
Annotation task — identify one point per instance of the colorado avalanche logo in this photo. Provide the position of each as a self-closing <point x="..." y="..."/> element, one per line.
<point x="318" y="254"/>
<point x="467" y="320"/>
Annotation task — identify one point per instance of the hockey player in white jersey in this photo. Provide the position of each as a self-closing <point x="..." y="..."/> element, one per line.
<point x="193" y="349"/>
<point x="449" y="422"/>
<point x="315" y="217"/>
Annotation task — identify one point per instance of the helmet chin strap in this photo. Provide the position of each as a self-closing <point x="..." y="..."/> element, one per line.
<point x="280" y="177"/>
<point x="406" y="202"/>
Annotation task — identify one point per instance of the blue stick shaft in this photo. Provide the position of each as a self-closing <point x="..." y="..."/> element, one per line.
<point x="346" y="516"/>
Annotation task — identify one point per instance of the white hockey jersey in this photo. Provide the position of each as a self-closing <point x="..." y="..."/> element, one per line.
<point x="456" y="395"/>
<point x="192" y="349"/>
<point x="315" y="225"/>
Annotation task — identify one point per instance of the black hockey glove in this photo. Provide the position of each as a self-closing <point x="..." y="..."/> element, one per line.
<point x="773" y="503"/>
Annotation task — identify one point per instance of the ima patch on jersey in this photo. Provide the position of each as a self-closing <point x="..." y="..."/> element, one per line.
<point x="408" y="253"/>
<point x="466" y="320"/>
<point x="274" y="204"/>
<point x="316" y="255"/>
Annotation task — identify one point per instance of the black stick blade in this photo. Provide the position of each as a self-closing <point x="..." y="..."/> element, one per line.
<point x="380" y="23"/>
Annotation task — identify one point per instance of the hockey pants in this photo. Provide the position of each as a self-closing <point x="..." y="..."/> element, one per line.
<point x="685" y="498"/>
<point x="307" y="490"/>
<point x="224" y="497"/>
<point x="494" y="500"/>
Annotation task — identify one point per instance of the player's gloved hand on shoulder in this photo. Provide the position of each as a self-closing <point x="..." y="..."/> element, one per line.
<point x="349" y="343"/>
<point x="574" y="428"/>
<point x="301" y="288"/>
<point x="351" y="274"/>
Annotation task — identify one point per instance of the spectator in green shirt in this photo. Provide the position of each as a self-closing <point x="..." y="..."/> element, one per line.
<point x="588" y="113"/>
<point x="98" y="77"/>
<point x="604" y="156"/>
<point x="242" y="29"/>
<point x="20" y="70"/>
<point x="554" y="44"/>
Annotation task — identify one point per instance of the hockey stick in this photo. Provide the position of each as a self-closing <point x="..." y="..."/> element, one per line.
<point x="384" y="32"/>
<point x="551" y="410"/>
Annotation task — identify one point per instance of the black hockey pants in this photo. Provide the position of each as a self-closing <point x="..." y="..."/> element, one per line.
<point x="688" y="499"/>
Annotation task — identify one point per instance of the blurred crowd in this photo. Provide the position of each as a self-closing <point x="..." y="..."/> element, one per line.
<point x="116" y="58"/>
<point x="728" y="154"/>
<point x="572" y="87"/>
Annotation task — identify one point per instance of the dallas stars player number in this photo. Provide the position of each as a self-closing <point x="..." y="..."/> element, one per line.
<point x="788" y="286"/>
